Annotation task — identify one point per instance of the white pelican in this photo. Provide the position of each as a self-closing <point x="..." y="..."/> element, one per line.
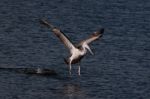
<point x="77" y="52"/>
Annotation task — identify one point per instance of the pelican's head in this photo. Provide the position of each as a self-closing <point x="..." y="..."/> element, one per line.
<point x="86" y="46"/>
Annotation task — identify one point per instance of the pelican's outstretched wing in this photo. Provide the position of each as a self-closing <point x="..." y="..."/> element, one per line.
<point x="63" y="38"/>
<point x="93" y="37"/>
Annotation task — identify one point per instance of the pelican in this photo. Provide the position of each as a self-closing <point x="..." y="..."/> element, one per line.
<point x="78" y="51"/>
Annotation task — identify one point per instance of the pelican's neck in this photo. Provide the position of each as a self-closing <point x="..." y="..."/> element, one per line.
<point x="86" y="47"/>
<point x="84" y="50"/>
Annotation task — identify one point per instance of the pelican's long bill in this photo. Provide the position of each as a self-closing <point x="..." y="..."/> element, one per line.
<point x="89" y="49"/>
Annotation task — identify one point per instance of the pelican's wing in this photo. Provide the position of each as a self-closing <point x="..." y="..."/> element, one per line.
<point x="93" y="37"/>
<point x="63" y="38"/>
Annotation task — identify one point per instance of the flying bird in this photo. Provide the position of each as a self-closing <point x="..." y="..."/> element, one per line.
<point x="78" y="51"/>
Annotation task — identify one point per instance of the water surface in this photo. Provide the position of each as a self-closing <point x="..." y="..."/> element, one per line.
<point x="118" y="70"/>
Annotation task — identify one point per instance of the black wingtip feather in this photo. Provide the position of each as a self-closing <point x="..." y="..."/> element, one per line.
<point x="46" y="23"/>
<point x="43" y="22"/>
<point x="102" y="30"/>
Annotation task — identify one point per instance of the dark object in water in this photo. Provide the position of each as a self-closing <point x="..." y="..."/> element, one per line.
<point x="35" y="71"/>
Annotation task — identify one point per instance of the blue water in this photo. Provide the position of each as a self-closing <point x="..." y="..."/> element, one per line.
<point x="119" y="69"/>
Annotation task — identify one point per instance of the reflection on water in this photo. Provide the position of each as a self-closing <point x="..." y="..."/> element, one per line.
<point x="72" y="91"/>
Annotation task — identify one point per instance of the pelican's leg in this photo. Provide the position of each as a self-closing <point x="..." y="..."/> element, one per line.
<point x="70" y="67"/>
<point x="79" y="69"/>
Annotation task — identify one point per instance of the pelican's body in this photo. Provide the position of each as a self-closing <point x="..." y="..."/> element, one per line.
<point x="76" y="55"/>
<point x="77" y="52"/>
